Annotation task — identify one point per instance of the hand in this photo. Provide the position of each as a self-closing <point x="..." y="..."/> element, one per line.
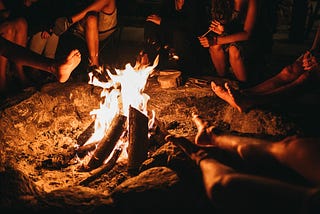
<point x="61" y="25"/>
<point x="309" y="62"/>
<point x="154" y="18"/>
<point x="217" y="27"/>
<point x="45" y="35"/>
<point x="206" y="42"/>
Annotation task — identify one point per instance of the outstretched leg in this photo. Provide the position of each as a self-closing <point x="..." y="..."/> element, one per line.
<point x="246" y="192"/>
<point x="61" y="69"/>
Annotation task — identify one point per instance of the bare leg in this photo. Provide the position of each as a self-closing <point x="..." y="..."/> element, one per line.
<point x="237" y="64"/>
<point x="92" y="39"/>
<point x="218" y="59"/>
<point x="299" y="154"/>
<point x="231" y="191"/>
<point x="20" y="38"/>
<point x="3" y="70"/>
<point x="16" y="32"/>
<point x="61" y="69"/>
<point x="232" y="96"/>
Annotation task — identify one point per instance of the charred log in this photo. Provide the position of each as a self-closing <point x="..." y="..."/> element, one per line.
<point x="107" y="144"/>
<point x="138" y="140"/>
<point x="84" y="136"/>
<point x="104" y="168"/>
<point x="83" y="150"/>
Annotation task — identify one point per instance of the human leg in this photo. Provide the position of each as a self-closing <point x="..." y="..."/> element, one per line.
<point x="61" y="69"/>
<point x="91" y="35"/>
<point x="9" y="30"/>
<point x="285" y="76"/>
<point x="237" y="64"/>
<point x="218" y="58"/>
<point x="3" y="76"/>
<point x="297" y="153"/>
<point x="232" y="191"/>
<point x="20" y="37"/>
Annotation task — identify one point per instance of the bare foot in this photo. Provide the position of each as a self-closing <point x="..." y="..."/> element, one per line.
<point x="65" y="68"/>
<point x="204" y="137"/>
<point x="230" y="95"/>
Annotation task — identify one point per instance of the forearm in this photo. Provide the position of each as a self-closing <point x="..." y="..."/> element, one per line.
<point x="237" y="37"/>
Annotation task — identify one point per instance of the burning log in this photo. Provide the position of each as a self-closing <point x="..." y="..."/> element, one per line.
<point x="83" y="150"/>
<point x="138" y="139"/>
<point x="107" y="143"/>
<point x="84" y="136"/>
<point x="104" y="168"/>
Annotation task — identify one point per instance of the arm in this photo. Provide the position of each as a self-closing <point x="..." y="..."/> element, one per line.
<point x="248" y="24"/>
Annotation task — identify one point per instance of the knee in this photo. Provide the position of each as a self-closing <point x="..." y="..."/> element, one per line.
<point x="91" y="20"/>
<point x="234" y="53"/>
<point x="21" y="25"/>
<point x="7" y="30"/>
<point x="215" y="48"/>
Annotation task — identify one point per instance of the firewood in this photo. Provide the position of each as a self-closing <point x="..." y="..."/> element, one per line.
<point x="84" y="136"/>
<point x="108" y="142"/>
<point x="83" y="150"/>
<point x="103" y="168"/>
<point x="138" y="139"/>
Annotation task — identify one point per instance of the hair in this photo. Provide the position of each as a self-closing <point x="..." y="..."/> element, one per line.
<point x="222" y="10"/>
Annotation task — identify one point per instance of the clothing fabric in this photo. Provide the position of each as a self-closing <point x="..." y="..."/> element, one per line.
<point x="46" y="47"/>
<point x="107" y="24"/>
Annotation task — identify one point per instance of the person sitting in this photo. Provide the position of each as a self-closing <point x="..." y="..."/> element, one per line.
<point x="233" y="38"/>
<point x="95" y="22"/>
<point x="61" y="69"/>
<point x="301" y="76"/>
<point x="230" y="187"/>
<point x="172" y="33"/>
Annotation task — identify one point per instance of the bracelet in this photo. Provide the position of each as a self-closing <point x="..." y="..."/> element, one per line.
<point x="213" y="40"/>
<point x="69" y="20"/>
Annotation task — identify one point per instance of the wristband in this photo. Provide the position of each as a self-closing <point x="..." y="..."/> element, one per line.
<point x="213" y="41"/>
<point x="69" y="20"/>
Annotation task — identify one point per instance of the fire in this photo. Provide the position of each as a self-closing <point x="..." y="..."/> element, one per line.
<point x="122" y="90"/>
